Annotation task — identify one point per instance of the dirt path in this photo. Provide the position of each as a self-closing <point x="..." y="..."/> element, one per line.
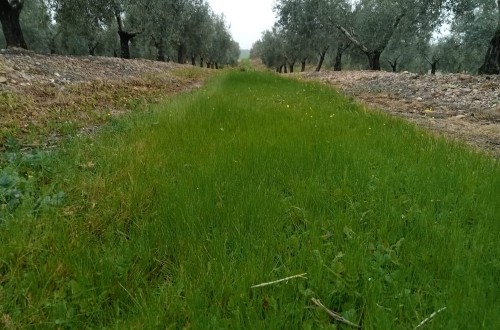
<point x="459" y="106"/>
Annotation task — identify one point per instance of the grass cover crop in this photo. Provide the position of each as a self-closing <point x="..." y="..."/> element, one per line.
<point x="191" y="214"/>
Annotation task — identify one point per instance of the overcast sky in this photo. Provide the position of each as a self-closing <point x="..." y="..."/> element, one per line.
<point x="247" y="18"/>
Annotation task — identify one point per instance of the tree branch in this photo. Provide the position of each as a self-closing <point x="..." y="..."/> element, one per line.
<point x="343" y="47"/>
<point x="388" y="36"/>
<point x="119" y="20"/>
<point x="434" y="60"/>
<point x="352" y="39"/>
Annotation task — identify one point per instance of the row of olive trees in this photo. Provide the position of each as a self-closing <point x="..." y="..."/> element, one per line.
<point x="387" y="33"/>
<point x="184" y="30"/>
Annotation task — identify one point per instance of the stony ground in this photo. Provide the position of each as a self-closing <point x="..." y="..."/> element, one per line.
<point x="459" y="106"/>
<point x="20" y="68"/>
<point x="44" y="98"/>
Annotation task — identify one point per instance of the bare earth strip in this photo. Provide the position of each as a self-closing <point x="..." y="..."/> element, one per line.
<point x="459" y="106"/>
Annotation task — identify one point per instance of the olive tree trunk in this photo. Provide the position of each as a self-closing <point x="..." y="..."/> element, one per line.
<point x="125" y="38"/>
<point x="337" y="66"/>
<point x="373" y="54"/>
<point x="160" y="49"/>
<point x="394" y="63"/>
<point x="9" y="17"/>
<point x="321" y="60"/>
<point x="491" y="64"/>
<point x="92" y="47"/>
<point x="374" y="60"/>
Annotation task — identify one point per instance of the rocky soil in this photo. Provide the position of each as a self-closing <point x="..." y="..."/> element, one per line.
<point x="21" y="68"/>
<point x="46" y="97"/>
<point x="463" y="107"/>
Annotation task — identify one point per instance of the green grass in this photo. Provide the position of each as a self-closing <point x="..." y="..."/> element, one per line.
<point x="170" y="216"/>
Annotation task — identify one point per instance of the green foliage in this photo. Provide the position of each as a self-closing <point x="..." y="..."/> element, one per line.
<point x="406" y="34"/>
<point x="403" y="31"/>
<point x="172" y="214"/>
<point x="368" y="25"/>
<point x="162" y="30"/>
<point x="272" y="49"/>
<point x="472" y="28"/>
<point x="38" y="29"/>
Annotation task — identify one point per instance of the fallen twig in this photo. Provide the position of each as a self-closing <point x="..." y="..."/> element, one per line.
<point x="429" y="318"/>
<point x="278" y="281"/>
<point x="334" y="315"/>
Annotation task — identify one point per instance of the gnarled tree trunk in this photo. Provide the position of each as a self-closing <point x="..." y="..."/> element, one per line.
<point x="373" y="54"/>
<point x="303" y="66"/>
<point x="337" y="66"/>
<point x="9" y="17"/>
<point x="433" y="62"/>
<point x="321" y="60"/>
<point x="125" y="38"/>
<point x="491" y="64"/>
<point x="394" y="63"/>
<point x="374" y="59"/>
<point x="160" y="51"/>
<point x="433" y="68"/>
<point x="92" y="48"/>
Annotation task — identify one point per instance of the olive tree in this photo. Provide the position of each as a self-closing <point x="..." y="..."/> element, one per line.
<point x="220" y="43"/>
<point x="374" y="23"/>
<point x="477" y="24"/>
<point x="82" y="25"/>
<point x="39" y="29"/>
<point x="307" y="25"/>
<point x="272" y="49"/>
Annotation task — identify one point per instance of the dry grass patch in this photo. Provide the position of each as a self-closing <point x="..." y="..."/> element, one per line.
<point x="39" y="115"/>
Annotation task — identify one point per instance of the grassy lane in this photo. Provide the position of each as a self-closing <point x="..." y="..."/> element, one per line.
<point x="170" y="216"/>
